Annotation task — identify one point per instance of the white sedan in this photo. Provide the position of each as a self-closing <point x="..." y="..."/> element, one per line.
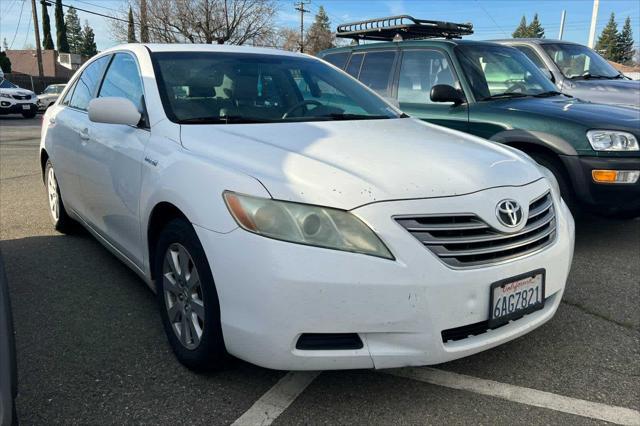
<point x="287" y="215"/>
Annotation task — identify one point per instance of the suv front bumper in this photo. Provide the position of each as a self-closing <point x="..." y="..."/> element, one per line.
<point x="607" y="198"/>
<point x="10" y="106"/>
<point x="271" y="292"/>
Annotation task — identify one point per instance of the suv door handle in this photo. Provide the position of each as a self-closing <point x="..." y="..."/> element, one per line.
<point x="84" y="134"/>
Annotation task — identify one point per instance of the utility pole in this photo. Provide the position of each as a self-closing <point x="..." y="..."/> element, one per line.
<point x="561" y="33"/>
<point x="37" y="29"/>
<point x="300" y="8"/>
<point x="594" y="19"/>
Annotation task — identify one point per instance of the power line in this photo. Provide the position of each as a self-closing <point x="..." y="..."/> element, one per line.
<point x="17" y="26"/>
<point x="26" y="37"/>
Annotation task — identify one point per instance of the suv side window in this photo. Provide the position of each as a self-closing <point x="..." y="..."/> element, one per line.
<point x="337" y="59"/>
<point x="532" y="55"/>
<point x="376" y="71"/>
<point x="354" y="64"/>
<point x="420" y="71"/>
<point x="123" y="80"/>
<point x="88" y="82"/>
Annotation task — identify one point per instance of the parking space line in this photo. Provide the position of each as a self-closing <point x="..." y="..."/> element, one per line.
<point x="533" y="397"/>
<point x="270" y="405"/>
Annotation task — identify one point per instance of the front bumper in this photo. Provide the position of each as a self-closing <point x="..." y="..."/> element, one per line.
<point x="271" y="292"/>
<point x="604" y="197"/>
<point x="8" y="106"/>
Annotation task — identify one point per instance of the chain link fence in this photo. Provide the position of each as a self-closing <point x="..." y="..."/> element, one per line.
<point x="35" y="84"/>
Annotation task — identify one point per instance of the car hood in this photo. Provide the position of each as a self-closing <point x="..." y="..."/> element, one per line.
<point x="588" y="114"/>
<point x="615" y="92"/>
<point x="18" y="91"/>
<point x="346" y="164"/>
<point x="47" y="96"/>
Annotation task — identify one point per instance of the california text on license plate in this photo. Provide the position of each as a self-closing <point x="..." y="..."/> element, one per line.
<point x="516" y="296"/>
<point x="26" y="107"/>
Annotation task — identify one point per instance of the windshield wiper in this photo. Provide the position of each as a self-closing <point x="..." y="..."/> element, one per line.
<point x="547" y="94"/>
<point x="589" y="76"/>
<point x="343" y="116"/>
<point x="506" y="95"/>
<point x="224" y="119"/>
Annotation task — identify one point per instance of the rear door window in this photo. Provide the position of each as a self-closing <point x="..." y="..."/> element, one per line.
<point x="354" y="64"/>
<point x="376" y="71"/>
<point x="87" y="84"/>
<point x="337" y="59"/>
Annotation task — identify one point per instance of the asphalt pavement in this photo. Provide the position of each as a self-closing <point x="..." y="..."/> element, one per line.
<point x="91" y="349"/>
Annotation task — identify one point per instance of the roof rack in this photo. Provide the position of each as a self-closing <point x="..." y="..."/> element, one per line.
<point x="402" y="27"/>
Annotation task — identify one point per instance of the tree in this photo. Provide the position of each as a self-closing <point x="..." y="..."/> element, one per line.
<point x="144" y="22"/>
<point x="61" y="29"/>
<point x="625" y="43"/>
<point x="47" y="41"/>
<point x="535" y="30"/>
<point x="74" y="30"/>
<point x="131" y="34"/>
<point x="319" y="36"/>
<point x="5" y="63"/>
<point x="88" y="46"/>
<point x="203" y="21"/>
<point x="522" y="29"/>
<point x="607" y="44"/>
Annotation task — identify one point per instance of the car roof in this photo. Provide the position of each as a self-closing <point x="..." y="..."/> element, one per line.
<point x="189" y="47"/>
<point x="533" y="41"/>
<point x="432" y="42"/>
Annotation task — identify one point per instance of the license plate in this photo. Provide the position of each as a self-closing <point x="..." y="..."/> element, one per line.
<point x="516" y="296"/>
<point x="26" y="107"/>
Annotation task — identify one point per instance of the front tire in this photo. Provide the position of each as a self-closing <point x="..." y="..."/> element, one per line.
<point x="554" y="165"/>
<point x="29" y="114"/>
<point x="57" y="213"/>
<point x="187" y="298"/>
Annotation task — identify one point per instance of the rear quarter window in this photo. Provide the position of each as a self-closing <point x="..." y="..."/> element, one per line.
<point x="337" y="59"/>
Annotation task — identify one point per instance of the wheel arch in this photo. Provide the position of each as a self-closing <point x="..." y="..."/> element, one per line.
<point x="161" y="214"/>
<point x="535" y="140"/>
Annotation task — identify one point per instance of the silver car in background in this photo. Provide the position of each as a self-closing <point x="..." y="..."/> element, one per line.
<point x="49" y="96"/>
<point x="579" y="71"/>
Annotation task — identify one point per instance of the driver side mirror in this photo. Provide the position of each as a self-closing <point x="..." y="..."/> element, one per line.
<point x="114" y="110"/>
<point x="446" y="93"/>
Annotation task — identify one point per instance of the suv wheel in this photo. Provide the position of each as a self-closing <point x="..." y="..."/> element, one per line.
<point x="188" y="299"/>
<point x="57" y="213"/>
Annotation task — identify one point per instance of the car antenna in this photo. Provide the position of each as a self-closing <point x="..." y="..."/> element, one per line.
<point x="402" y="27"/>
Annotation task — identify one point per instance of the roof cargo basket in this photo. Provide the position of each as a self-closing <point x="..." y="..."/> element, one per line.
<point x="402" y="27"/>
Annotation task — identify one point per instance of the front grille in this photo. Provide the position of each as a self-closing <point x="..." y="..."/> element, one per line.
<point x="465" y="240"/>
<point x="22" y="97"/>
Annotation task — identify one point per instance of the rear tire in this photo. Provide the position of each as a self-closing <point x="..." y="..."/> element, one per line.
<point x="555" y="166"/>
<point x="57" y="213"/>
<point x="187" y="298"/>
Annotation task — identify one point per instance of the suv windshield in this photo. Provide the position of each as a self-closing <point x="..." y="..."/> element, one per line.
<point x="227" y="88"/>
<point x="496" y="72"/>
<point x="6" y="84"/>
<point x="579" y="62"/>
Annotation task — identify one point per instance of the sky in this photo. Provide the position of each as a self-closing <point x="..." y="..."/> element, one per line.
<point x="491" y="18"/>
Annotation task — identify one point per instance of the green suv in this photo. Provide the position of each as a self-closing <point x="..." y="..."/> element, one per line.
<point x="496" y="92"/>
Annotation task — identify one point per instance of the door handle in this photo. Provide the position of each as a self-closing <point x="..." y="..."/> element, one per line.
<point x="84" y="134"/>
<point x="52" y="120"/>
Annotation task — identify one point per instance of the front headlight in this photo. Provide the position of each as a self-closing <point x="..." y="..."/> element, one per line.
<point x="305" y="224"/>
<point x="612" y="140"/>
<point x="5" y="95"/>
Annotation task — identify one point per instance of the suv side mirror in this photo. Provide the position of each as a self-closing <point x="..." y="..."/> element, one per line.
<point x="114" y="110"/>
<point x="446" y="93"/>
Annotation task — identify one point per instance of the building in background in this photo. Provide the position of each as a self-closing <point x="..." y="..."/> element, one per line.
<point x="56" y="65"/>
<point x="631" y="71"/>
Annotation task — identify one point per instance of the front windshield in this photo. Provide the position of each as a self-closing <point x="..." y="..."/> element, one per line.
<point x="6" y="84"/>
<point x="576" y="61"/>
<point x="228" y="88"/>
<point x="501" y="72"/>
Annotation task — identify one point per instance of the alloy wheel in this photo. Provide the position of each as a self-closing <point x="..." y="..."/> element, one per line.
<point x="52" y="191"/>
<point x="183" y="296"/>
